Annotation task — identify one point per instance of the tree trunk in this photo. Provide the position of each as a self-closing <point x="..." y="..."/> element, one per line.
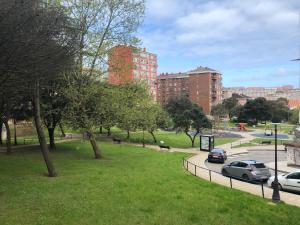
<point x="190" y="138"/>
<point x="108" y="132"/>
<point x="1" y="141"/>
<point x="51" y="137"/>
<point x="101" y="130"/>
<point x="15" y="132"/>
<point x="153" y="136"/>
<point x="8" y="138"/>
<point x="128" y="135"/>
<point x="40" y="131"/>
<point x="193" y="139"/>
<point x="62" y="130"/>
<point x="96" y="149"/>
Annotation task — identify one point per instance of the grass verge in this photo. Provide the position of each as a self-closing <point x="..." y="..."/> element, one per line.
<point x="130" y="185"/>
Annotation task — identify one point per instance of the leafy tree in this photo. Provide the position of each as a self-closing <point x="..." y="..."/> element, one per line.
<point x="217" y="112"/>
<point x="255" y="110"/>
<point x="294" y="116"/>
<point x="85" y="107"/>
<point x="279" y="110"/>
<point x="132" y="98"/>
<point x="185" y="115"/>
<point x="161" y="120"/>
<point x="102" y="25"/>
<point x="230" y="104"/>
<point x="53" y="106"/>
<point x="21" y="111"/>
<point x="37" y="44"/>
<point x="109" y="114"/>
<point x="151" y="117"/>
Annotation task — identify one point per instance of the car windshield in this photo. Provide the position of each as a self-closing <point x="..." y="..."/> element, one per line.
<point x="259" y="165"/>
<point x="217" y="151"/>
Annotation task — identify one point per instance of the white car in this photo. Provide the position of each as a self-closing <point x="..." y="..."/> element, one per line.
<point x="268" y="132"/>
<point x="289" y="181"/>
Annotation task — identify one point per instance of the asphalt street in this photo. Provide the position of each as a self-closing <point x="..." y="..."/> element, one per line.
<point x="259" y="155"/>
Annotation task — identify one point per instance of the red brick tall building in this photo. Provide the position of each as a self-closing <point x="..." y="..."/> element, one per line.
<point x="127" y="63"/>
<point x="202" y="86"/>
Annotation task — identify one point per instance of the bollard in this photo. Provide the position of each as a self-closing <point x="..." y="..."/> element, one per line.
<point x="230" y="182"/>
<point x="262" y="190"/>
<point x="195" y="170"/>
<point x="210" y="175"/>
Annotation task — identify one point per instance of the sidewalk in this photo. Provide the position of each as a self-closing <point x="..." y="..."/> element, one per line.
<point x="283" y="167"/>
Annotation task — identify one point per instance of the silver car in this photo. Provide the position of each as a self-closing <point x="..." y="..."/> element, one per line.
<point x="290" y="181"/>
<point x="248" y="170"/>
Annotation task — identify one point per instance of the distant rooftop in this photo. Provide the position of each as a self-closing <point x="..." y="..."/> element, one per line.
<point x="172" y="76"/>
<point x="293" y="103"/>
<point x="198" y="70"/>
<point x="202" y="69"/>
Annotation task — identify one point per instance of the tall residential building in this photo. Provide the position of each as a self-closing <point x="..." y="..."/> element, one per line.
<point x="202" y="86"/>
<point x="127" y="63"/>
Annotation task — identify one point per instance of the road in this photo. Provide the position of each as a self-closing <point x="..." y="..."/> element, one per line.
<point x="259" y="155"/>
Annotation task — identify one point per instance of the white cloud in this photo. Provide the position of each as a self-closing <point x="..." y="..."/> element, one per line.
<point x="163" y="9"/>
<point x="234" y="35"/>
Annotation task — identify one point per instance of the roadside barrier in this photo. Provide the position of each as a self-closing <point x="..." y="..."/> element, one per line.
<point x="240" y="184"/>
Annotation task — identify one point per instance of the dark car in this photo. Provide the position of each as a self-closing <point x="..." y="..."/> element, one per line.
<point x="248" y="170"/>
<point x="217" y="155"/>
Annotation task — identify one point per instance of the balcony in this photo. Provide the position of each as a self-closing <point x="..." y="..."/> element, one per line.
<point x="214" y="76"/>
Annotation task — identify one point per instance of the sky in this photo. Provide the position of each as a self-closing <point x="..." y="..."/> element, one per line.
<point x="251" y="42"/>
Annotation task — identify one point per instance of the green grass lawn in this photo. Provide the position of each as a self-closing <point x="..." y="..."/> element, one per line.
<point x="130" y="186"/>
<point x="32" y="139"/>
<point x="258" y="141"/>
<point x="179" y="140"/>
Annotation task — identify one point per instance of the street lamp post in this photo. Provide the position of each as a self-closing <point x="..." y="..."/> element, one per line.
<point x="276" y="195"/>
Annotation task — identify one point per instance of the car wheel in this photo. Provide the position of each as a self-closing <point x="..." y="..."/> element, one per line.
<point x="245" y="177"/>
<point x="225" y="173"/>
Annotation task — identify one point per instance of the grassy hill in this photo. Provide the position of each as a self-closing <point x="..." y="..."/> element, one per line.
<point x="130" y="186"/>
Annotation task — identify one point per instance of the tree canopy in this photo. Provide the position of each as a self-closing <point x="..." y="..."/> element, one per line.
<point x="187" y="115"/>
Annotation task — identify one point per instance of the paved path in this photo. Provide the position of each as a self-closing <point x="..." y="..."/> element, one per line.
<point x="282" y="166"/>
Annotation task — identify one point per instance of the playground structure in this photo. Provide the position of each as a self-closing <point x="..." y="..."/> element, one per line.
<point x="241" y="126"/>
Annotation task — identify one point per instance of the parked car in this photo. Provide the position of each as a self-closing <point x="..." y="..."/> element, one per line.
<point x="248" y="170"/>
<point x="268" y="132"/>
<point x="289" y="181"/>
<point x="217" y="155"/>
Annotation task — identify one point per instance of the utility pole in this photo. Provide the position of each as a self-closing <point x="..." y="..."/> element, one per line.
<point x="299" y="66"/>
<point x="298" y="59"/>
